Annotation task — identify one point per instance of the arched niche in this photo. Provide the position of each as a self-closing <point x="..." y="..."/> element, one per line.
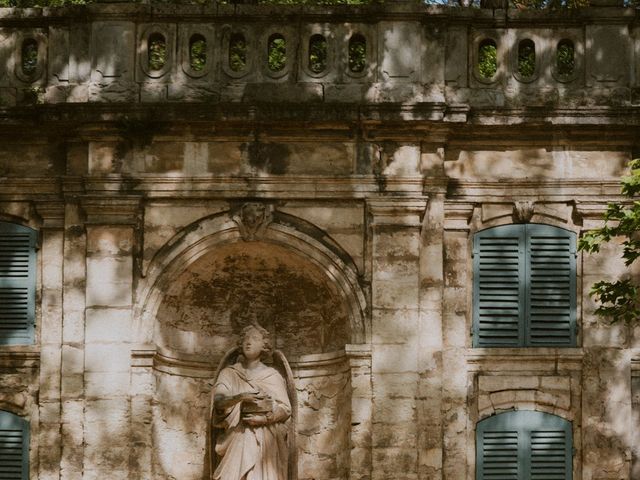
<point x="213" y="278"/>
<point x="286" y="243"/>
<point x="229" y="287"/>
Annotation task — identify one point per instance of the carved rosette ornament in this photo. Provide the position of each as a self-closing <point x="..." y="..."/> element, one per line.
<point x="252" y="219"/>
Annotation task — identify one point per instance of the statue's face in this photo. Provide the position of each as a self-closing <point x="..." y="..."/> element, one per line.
<point x="252" y="345"/>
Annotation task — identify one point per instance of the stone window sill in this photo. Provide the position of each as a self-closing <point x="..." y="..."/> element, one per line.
<point x="19" y="356"/>
<point x="525" y="359"/>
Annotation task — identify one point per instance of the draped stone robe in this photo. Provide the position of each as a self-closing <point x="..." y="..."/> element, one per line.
<point x="245" y="452"/>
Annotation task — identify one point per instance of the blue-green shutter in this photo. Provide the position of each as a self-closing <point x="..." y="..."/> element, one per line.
<point x="524" y="445"/>
<point x="17" y="284"/>
<point x="499" y="295"/>
<point x="524" y="286"/>
<point x="14" y="447"/>
<point x="551" y="293"/>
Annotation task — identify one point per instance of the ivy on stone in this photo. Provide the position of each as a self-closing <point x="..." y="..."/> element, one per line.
<point x="619" y="300"/>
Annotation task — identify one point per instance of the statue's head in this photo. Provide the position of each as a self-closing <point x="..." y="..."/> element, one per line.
<point x="254" y="341"/>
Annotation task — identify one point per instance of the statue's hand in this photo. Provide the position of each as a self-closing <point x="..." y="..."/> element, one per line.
<point x="256" y="420"/>
<point x="249" y="397"/>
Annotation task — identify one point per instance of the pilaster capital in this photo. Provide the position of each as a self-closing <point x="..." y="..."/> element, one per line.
<point x="590" y="214"/>
<point x="457" y="215"/>
<point x="51" y="213"/>
<point x="106" y="210"/>
<point x="397" y="211"/>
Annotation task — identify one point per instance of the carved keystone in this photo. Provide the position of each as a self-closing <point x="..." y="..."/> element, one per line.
<point x="253" y="219"/>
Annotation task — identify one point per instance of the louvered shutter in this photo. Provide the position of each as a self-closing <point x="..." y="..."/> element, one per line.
<point x="524" y="445"/>
<point x="498" y="296"/>
<point x="17" y="283"/>
<point x="551" y="293"/>
<point x="14" y="447"/>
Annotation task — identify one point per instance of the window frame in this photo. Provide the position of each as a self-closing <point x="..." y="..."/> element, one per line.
<point x="11" y="421"/>
<point x="524" y="234"/>
<point x="525" y="423"/>
<point x="7" y="229"/>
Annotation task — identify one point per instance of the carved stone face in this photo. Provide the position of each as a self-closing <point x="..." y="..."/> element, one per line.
<point x="252" y="344"/>
<point x="253" y="214"/>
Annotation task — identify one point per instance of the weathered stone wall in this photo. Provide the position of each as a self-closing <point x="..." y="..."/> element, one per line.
<point x="338" y="209"/>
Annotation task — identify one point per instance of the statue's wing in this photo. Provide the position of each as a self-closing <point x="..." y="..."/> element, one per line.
<point x="227" y="359"/>
<point x="282" y="364"/>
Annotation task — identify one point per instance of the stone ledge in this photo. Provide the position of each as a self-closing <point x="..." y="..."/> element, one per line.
<point x="20" y="356"/>
<point x="529" y="359"/>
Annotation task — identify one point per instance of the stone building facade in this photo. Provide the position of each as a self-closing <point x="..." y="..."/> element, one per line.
<point x="173" y="185"/>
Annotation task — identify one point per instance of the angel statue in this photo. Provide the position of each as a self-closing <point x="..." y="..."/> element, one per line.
<point x="253" y="413"/>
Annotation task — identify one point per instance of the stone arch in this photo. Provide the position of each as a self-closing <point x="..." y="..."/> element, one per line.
<point x="526" y="400"/>
<point x="292" y="234"/>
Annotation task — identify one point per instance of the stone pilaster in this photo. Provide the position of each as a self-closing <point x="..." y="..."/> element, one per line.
<point x="606" y="373"/>
<point x="455" y="339"/>
<point x="142" y="388"/>
<point x="110" y="229"/>
<point x="395" y="285"/>
<point x="51" y="271"/>
<point x="361" y="403"/>
<point x="73" y="350"/>
<point x="430" y="333"/>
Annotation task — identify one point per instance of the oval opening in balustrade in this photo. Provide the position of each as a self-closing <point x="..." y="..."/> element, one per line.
<point x="156" y="51"/>
<point x="487" y="58"/>
<point x="317" y="53"/>
<point x="276" y="52"/>
<point x="197" y="52"/>
<point x="526" y="58"/>
<point x="237" y="52"/>
<point x="29" y="56"/>
<point x="357" y="53"/>
<point x="565" y="58"/>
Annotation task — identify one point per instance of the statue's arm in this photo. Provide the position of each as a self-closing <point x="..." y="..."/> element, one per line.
<point x="223" y="402"/>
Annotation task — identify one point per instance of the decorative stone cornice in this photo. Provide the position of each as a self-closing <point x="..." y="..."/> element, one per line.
<point x="397" y="211"/>
<point x="104" y="210"/>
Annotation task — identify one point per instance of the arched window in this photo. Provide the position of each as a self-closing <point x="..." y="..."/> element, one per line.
<point x="156" y="51"/>
<point x="14" y="446"/>
<point x="17" y="284"/>
<point x="197" y="52"/>
<point x="565" y="58"/>
<point x="522" y="445"/>
<point x="487" y="58"/>
<point x="237" y="52"/>
<point x="357" y="53"/>
<point x="29" y="56"/>
<point x="526" y="58"/>
<point x="317" y="53"/>
<point x="524" y="286"/>
<point x="276" y="52"/>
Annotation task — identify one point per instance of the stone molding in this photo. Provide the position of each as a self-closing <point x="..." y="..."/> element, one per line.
<point x="52" y="214"/>
<point x="534" y="360"/>
<point x="208" y="233"/>
<point x="263" y="187"/>
<point x="303" y="366"/>
<point x="457" y="215"/>
<point x="120" y="210"/>
<point x="27" y="356"/>
<point x="397" y="211"/>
